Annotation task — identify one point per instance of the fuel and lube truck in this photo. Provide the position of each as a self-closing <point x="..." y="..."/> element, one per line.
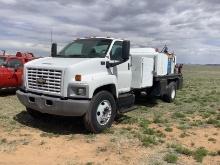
<point x="96" y="78"/>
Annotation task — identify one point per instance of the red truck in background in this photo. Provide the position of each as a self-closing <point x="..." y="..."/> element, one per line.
<point x="11" y="69"/>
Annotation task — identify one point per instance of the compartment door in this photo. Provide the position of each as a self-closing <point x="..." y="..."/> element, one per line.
<point x="147" y="72"/>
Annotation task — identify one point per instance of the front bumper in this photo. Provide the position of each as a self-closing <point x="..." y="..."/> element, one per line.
<point x="52" y="105"/>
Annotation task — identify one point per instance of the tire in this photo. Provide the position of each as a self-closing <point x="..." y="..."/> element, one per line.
<point x="170" y="93"/>
<point x="35" y="114"/>
<point x="101" y="112"/>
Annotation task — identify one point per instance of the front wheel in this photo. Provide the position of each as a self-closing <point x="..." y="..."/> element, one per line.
<point x="101" y="113"/>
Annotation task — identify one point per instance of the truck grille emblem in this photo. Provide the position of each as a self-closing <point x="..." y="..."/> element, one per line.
<point x="41" y="80"/>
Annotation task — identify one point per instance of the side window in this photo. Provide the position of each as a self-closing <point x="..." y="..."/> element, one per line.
<point x="13" y="63"/>
<point x="116" y="52"/>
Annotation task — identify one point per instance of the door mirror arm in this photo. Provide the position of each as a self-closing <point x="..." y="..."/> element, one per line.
<point x="112" y="64"/>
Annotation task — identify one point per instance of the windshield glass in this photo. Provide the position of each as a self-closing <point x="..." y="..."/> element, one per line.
<point x="86" y="48"/>
<point x="2" y="60"/>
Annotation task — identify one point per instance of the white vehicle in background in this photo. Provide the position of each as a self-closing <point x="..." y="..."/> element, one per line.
<point x="96" y="78"/>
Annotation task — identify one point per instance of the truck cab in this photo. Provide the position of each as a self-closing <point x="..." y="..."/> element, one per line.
<point x="11" y="69"/>
<point x="90" y="77"/>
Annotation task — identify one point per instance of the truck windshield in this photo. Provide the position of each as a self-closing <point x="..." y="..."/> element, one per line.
<point x="2" y="60"/>
<point x="86" y="48"/>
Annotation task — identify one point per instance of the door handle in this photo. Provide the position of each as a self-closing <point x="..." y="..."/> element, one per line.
<point x="128" y="66"/>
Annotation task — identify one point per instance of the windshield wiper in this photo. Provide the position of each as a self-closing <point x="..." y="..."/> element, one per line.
<point x="77" y="55"/>
<point x="72" y="56"/>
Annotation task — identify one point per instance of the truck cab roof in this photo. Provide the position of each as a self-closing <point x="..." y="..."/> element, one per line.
<point x="94" y="37"/>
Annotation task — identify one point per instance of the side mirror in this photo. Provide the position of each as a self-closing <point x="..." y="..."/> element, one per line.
<point x="125" y="50"/>
<point x="53" y="49"/>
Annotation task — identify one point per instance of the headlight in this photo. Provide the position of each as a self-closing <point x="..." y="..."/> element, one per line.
<point x="81" y="91"/>
<point x="75" y="90"/>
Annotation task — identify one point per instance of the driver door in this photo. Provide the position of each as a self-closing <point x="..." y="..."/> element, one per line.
<point x="14" y="72"/>
<point x="121" y="71"/>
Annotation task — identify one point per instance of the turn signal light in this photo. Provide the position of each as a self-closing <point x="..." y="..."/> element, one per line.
<point x="78" y="77"/>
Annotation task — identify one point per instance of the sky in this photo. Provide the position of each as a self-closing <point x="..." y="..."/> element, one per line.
<point x="190" y="28"/>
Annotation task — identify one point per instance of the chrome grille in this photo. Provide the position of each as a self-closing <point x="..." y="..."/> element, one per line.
<point x="45" y="80"/>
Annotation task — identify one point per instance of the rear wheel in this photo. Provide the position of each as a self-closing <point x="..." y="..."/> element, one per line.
<point x="170" y="93"/>
<point x="101" y="113"/>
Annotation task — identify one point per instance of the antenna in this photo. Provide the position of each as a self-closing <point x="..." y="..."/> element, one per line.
<point x="165" y="49"/>
<point x="51" y="36"/>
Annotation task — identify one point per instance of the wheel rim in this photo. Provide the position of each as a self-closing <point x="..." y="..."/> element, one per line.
<point x="104" y="112"/>
<point x="173" y="94"/>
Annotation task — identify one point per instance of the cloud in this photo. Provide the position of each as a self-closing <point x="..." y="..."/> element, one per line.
<point x="190" y="28"/>
<point x="8" y="1"/>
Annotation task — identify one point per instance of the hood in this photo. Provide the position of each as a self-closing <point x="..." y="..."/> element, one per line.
<point x="55" y="62"/>
<point x="89" y="68"/>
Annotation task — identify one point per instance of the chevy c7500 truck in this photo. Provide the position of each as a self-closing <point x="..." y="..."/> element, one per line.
<point x="97" y="78"/>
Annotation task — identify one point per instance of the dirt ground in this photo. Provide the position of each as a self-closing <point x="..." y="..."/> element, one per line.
<point x="32" y="146"/>
<point x="35" y="149"/>
<point x="144" y="136"/>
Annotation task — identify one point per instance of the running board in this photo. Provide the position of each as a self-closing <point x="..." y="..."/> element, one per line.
<point x="125" y="102"/>
<point x="124" y="110"/>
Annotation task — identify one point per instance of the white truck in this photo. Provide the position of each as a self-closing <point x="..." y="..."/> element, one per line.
<point x="96" y="78"/>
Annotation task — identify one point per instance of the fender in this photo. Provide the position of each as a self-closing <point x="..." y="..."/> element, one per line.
<point x="101" y="80"/>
